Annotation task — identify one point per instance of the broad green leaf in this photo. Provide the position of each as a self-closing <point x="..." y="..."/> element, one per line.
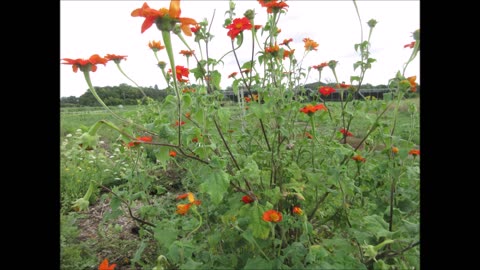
<point x="187" y="100"/>
<point x="215" y="184"/>
<point x="258" y="263"/>
<point x="165" y="235"/>
<point x="191" y="264"/>
<point x="215" y="78"/>
<point x="257" y="225"/>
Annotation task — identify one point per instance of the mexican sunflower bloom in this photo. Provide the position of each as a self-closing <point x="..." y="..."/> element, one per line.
<point x="233" y="74"/>
<point x="247" y="199"/>
<point x="286" y="41"/>
<point x="85" y="64"/>
<point x="297" y="210"/>
<point x="155" y="45"/>
<point x="414" y="152"/>
<point x="182" y="209"/>
<point x="410" y="45"/>
<point x="115" y="58"/>
<point x="344" y="85"/>
<point x="237" y="26"/>
<point x="272" y="216"/>
<point x="140" y="140"/>
<point x="310" y="109"/>
<point x="394" y="149"/>
<point x="172" y="153"/>
<point x="179" y="124"/>
<point x="345" y="132"/>
<point x="310" y="44"/>
<point x="326" y="90"/>
<point x="181" y="72"/>
<point x="272" y="50"/>
<point x="308" y="135"/>
<point x="321" y="66"/>
<point x="273" y="5"/>
<point x="248" y="99"/>
<point x="359" y="158"/>
<point x="104" y="265"/>
<point x="164" y="18"/>
<point x="187" y="53"/>
<point x="413" y="85"/>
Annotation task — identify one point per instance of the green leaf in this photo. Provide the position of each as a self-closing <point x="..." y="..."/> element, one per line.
<point x="191" y="264"/>
<point x="139" y="252"/>
<point x="165" y="235"/>
<point x="239" y="39"/>
<point x="198" y="72"/>
<point x="258" y="263"/>
<point x="215" y="184"/>
<point x="259" y="227"/>
<point x="187" y="100"/>
<point x="273" y="195"/>
<point x="215" y="78"/>
<point x="354" y="78"/>
<point x="248" y="65"/>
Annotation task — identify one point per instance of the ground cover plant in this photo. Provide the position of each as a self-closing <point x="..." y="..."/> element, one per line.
<point x="276" y="180"/>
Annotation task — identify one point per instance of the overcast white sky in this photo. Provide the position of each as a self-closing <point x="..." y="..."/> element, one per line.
<point x="106" y="27"/>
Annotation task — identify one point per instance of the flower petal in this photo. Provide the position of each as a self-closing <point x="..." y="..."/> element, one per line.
<point x="174" y="10"/>
<point x="148" y="23"/>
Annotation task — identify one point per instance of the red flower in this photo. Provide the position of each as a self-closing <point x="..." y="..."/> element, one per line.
<point x="195" y="28"/>
<point x="181" y="123"/>
<point x="85" y="64"/>
<point x="104" y="265"/>
<point x="310" y="44"/>
<point x="233" y="74"/>
<point x="273" y="5"/>
<point x="181" y="72"/>
<point x="237" y="26"/>
<point x="248" y="99"/>
<point x="272" y="49"/>
<point x="247" y="199"/>
<point x="172" y="153"/>
<point x="115" y="58"/>
<point x="286" y="41"/>
<point x="155" y="45"/>
<point x="195" y="140"/>
<point x="343" y="85"/>
<point x="411" y="45"/>
<point x="310" y="109"/>
<point x="187" y="53"/>
<point x="272" y="216"/>
<point x="414" y="152"/>
<point x="182" y="209"/>
<point x="359" y="158"/>
<point x="172" y="14"/>
<point x="257" y="26"/>
<point x="326" y="90"/>
<point x="345" y="132"/>
<point x="140" y="140"/>
<point x="297" y="210"/>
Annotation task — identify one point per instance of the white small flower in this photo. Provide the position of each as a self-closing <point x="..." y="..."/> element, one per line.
<point x="101" y="142"/>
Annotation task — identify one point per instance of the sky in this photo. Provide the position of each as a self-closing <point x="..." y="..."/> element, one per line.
<point x="106" y="27"/>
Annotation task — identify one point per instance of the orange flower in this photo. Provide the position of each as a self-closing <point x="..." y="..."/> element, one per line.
<point x="237" y="26"/>
<point x="182" y="209"/>
<point x="272" y="216"/>
<point x="326" y="90"/>
<point x="139" y="141"/>
<point x="308" y="135"/>
<point x="164" y="18"/>
<point x="310" y="109"/>
<point x="414" y="152"/>
<point x="181" y="72"/>
<point x="343" y="85"/>
<point x="310" y="44"/>
<point x="172" y="153"/>
<point x="233" y="74"/>
<point x="187" y="53"/>
<point x="411" y="45"/>
<point x="104" y="265"/>
<point x="188" y="90"/>
<point x="257" y="26"/>
<point x="247" y="199"/>
<point x="195" y="140"/>
<point x="247" y="70"/>
<point x="286" y="41"/>
<point x="273" y="49"/>
<point x="115" y="58"/>
<point x="187" y="115"/>
<point x="297" y="211"/>
<point x="155" y="45"/>
<point x="394" y="149"/>
<point x="181" y="123"/>
<point x="85" y="64"/>
<point x="345" y="132"/>
<point x="189" y="195"/>
<point x="359" y="158"/>
<point x="248" y="99"/>
<point x="413" y="85"/>
<point x="255" y="97"/>
<point x="321" y="66"/>
<point x="273" y="5"/>
<point x="288" y="53"/>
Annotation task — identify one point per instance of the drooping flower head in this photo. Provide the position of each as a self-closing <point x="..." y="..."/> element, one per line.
<point x="115" y="58"/>
<point x="139" y="141"/>
<point x="89" y="64"/>
<point x="326" y="90"/>
<point x="310" y="45"/>
<point x="311" y="109"/>
<point x="165" y="19"/>
<point x="155" y="45"/>
<point x="237" y="26"/>
<point x="272" y="216"/>
<point x="104" y="265"/>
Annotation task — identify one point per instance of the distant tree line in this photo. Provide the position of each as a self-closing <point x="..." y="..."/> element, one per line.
<point x="122" y="94"/>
